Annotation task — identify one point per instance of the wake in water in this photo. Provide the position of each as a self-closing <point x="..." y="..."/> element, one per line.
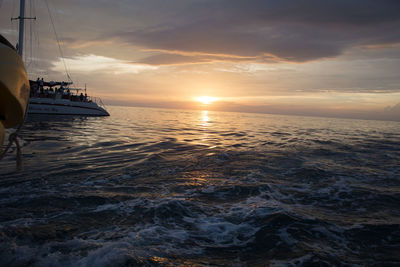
<point x="229" y="190"/>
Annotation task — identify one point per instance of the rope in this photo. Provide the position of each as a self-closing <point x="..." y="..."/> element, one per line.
<point x="12" y="24"/>
<point x="30" y="38"/>
<point x="58" y="41"/>
<point x="36" y="53"/>
<point x="13" y="138"/>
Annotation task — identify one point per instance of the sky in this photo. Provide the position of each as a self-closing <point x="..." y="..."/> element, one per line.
<point x="336" y="58"/>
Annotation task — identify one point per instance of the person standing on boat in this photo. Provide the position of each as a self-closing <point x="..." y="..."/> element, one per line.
<point x="41" y="84"/>
<point x="35" y="87"/>
<point x="61" y="89"/>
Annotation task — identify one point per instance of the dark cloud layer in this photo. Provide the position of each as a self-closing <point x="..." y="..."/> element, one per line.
<point x="296" y="31"/>
<point x="172" y="58"/>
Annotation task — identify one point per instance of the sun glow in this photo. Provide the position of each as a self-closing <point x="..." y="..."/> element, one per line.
<point x="206" y="100"/>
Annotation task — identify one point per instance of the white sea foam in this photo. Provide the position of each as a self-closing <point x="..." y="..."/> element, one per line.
<point x="127" y="191"/>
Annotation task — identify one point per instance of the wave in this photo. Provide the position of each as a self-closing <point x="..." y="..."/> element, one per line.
<point x="105" y="192"/>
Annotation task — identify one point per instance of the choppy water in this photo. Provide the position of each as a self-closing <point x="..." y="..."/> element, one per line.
<point x="166" y="187"/>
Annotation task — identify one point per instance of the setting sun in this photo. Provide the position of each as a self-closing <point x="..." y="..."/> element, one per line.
<point x="206" y="100"/>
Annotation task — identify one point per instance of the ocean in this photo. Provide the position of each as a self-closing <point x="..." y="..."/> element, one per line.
<point x="159" y="187"/>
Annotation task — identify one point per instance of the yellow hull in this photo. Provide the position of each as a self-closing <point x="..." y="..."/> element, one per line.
<point x="14" y="89"/>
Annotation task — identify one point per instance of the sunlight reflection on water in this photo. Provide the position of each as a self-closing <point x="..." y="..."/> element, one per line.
<point x="156" y="186"/>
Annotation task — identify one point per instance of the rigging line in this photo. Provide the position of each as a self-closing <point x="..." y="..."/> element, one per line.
<point x="12" y="25"/>
<point x="13" y="8"/>
<point x="13" y="138"/>
<point x="31" y="32"/>
<point x="36" y="41"/>
<point x="30" y="57"/>
<point x="58" y="41"/>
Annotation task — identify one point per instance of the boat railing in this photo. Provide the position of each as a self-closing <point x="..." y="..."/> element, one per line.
<point x="65" y="94"/>
<point x="97" y="100"/>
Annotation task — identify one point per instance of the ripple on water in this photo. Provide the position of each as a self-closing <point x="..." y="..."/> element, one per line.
<point x="232" y="190"/>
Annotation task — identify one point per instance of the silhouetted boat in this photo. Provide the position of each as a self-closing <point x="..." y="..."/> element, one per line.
<point x="47" y="98"/>
<point x="44" y="98"/>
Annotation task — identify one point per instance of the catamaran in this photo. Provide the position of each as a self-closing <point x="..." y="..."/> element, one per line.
<point x="58" y="98"/>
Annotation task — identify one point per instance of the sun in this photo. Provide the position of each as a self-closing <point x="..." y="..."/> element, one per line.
<point x="206" y="100"/>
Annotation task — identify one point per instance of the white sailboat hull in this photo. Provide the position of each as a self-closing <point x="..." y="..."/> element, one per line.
<point x="64" y="107"/>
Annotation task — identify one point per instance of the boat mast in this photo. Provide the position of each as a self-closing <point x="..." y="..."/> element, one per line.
<point x="21" y="27"/>
<point x="21" y="19"/>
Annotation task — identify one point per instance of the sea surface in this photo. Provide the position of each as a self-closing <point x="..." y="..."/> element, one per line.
<point x="156" y="187"/>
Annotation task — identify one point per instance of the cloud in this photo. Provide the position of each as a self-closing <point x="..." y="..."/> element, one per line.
<point x="79" y="43"/>
<point x="165" y="57"/>
<point x="392" y="112"/>
<point x="295" y="31"/>
<point x="95" y="63"/>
